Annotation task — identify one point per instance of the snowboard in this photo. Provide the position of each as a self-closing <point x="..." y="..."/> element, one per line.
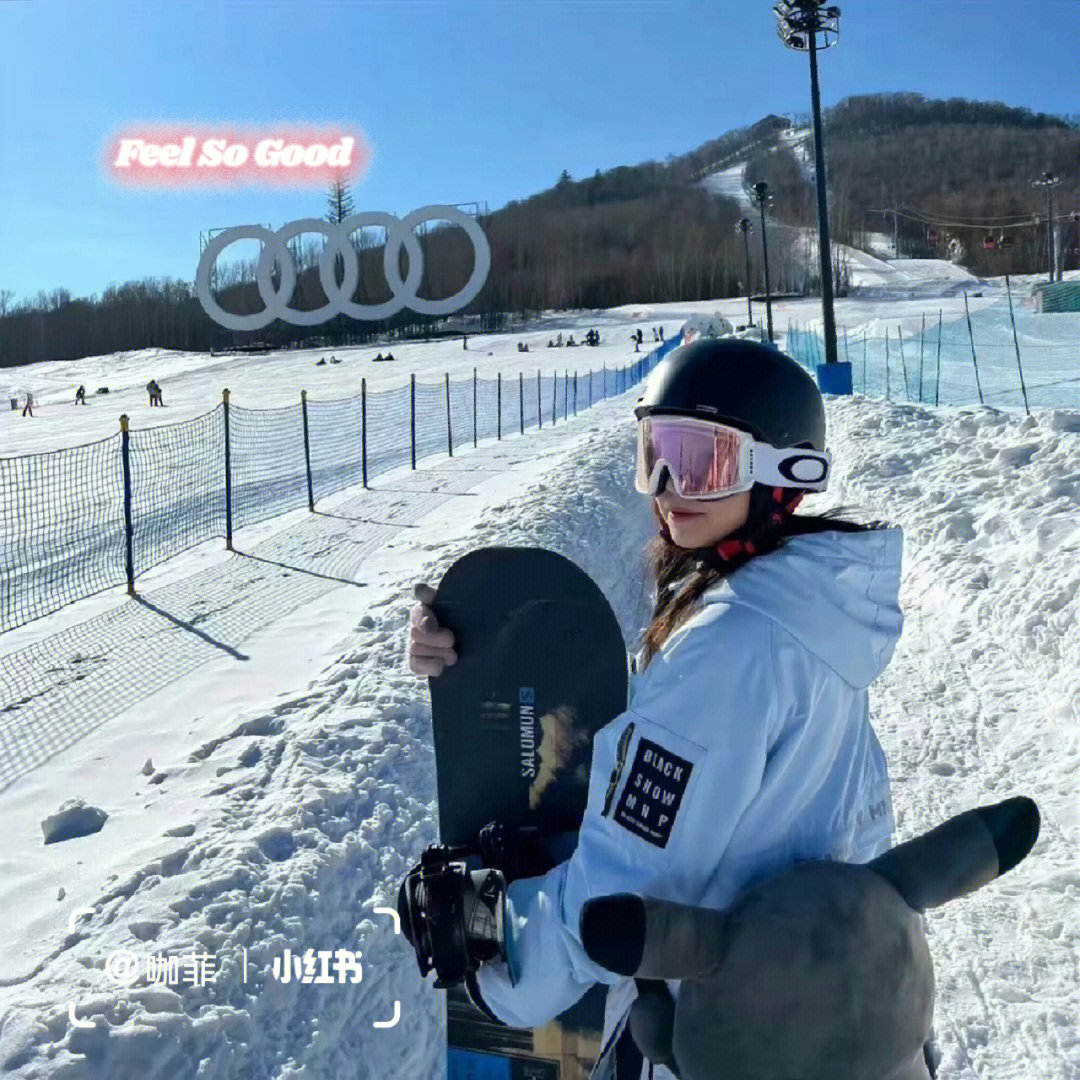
<point x="541" y="667"/>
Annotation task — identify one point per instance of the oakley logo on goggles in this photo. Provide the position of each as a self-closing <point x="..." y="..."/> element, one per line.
<point x="707" y="461"/>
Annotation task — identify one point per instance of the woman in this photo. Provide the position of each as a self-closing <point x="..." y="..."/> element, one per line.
<point x="746" y="745"/>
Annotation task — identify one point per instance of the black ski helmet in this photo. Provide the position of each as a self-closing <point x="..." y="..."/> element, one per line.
<point x="747" y="384"/>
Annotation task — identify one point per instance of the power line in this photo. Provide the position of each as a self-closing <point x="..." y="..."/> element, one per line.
<point x="930" y="219"/>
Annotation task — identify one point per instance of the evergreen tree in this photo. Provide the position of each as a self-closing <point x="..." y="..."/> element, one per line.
<point x="339" y="202"/>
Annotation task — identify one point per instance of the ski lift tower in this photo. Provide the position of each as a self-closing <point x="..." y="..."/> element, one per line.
<point x="807" y="26"/>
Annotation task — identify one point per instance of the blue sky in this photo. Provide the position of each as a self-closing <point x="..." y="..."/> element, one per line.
<point x="485" y="100"/>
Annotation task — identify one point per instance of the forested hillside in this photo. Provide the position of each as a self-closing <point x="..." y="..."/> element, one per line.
<point x="953" y="171"/>
<point x="941" y="164"/>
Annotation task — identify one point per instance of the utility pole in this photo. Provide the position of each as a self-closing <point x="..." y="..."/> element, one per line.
<point x="799" y="24"/>
<point x="746" y="226"/>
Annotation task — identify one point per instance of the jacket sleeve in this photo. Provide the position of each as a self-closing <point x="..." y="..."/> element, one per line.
<point x="670" y="778"/>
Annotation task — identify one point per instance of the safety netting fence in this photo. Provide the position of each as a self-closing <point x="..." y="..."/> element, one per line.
<point x="1002" y="356"/>
<point x="86" y="518"/>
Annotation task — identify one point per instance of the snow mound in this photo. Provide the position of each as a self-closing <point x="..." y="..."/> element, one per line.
<point x="73" y="819"/>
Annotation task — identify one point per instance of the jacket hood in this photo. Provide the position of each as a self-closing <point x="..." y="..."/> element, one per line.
<point x="836" y="593"/>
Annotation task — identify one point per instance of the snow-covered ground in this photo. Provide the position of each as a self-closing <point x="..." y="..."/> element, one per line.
<point x="292" y="780"/>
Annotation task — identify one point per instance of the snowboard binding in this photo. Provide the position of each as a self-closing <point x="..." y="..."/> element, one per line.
<point x="452" y="916"/>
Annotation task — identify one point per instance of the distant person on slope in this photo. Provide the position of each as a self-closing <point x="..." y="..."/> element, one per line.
<point x="80" y="396"/>
<point x="28" y="408"/>
<point x="750" y="686"/>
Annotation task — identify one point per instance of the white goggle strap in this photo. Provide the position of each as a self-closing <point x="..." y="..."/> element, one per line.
<point x="790" y="468"/>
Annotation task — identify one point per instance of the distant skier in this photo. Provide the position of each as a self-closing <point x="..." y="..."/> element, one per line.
<point x="80" y="396"/>
<point x="746" y="746"/>
<point x="28" y="408"/>
<point x="321" y="362"/>
<point x="334" y="360"/>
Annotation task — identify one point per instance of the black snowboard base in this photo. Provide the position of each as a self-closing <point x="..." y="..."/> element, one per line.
<point x="541" y="667"/>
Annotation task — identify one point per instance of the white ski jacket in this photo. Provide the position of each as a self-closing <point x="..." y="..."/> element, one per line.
<point x="746" y="746"/>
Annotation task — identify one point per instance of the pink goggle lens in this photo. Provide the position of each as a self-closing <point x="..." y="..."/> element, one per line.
<point x="703" y="458"/>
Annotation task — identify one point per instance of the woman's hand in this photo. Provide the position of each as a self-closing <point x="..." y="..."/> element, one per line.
<point x="431" y="647"/>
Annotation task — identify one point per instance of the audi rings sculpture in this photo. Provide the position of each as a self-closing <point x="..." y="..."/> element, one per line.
<point x="399" y="233"/>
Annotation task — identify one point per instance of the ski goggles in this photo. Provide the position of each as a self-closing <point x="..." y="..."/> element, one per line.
<point x="705" y="460"/>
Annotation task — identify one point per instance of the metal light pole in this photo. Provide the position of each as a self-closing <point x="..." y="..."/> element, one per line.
<point x="1049" y="181"/>
<point x="761" y="198"/>
<point x="799" y="24"/>
<point x="746" y="226"/>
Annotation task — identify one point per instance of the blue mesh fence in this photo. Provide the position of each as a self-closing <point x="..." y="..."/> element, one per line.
<point x="387" y="431"/>
<point x="430" y="419"/>
<point x="547" y="400"/>
<point x="487" y="409"/>
<point x="335" y="439"/>
<point x="511" y="406"/>
<point x="530" y="389"/>
<point x="461" y="411"/>
<point x="269" y="474"/>
<point x="948" y="363"/>
<point x="177" y="498"/>
<point x="62" y="526"/>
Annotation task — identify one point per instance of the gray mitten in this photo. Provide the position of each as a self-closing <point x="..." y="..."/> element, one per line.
<point x="820" y="972"/>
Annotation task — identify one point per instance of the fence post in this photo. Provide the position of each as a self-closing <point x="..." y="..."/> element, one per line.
<point x="412" y="417"/>
<point x="1016" y="342"/>
<point x="521" y="398"/>
<point x="363" y="430"/>
<point x="865" y="335"/>
<point x="449" y="432"/>
<point x="605" y="381"/>
<point x="971" y="338"/>
<point x="498" y="403"/>
<point x="307" y="452"/>
<point x="554" y="394"/>
<point x="937" y="377"/>
<point x="474" y="408"/>
<point x="566" y="395"/>
<point x="575" y="392"/>
<point x="887" y="364"/>
<point x="922" y="343"/>
<point x="228" y="473"/>
<point x="539" y="401"/>
<point x="903" y="362"/>
<point x="590" y="387"/>
<point x="129" y="533"/>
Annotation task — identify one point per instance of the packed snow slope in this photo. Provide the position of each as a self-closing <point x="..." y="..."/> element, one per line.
<point x="296" y="782"/>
